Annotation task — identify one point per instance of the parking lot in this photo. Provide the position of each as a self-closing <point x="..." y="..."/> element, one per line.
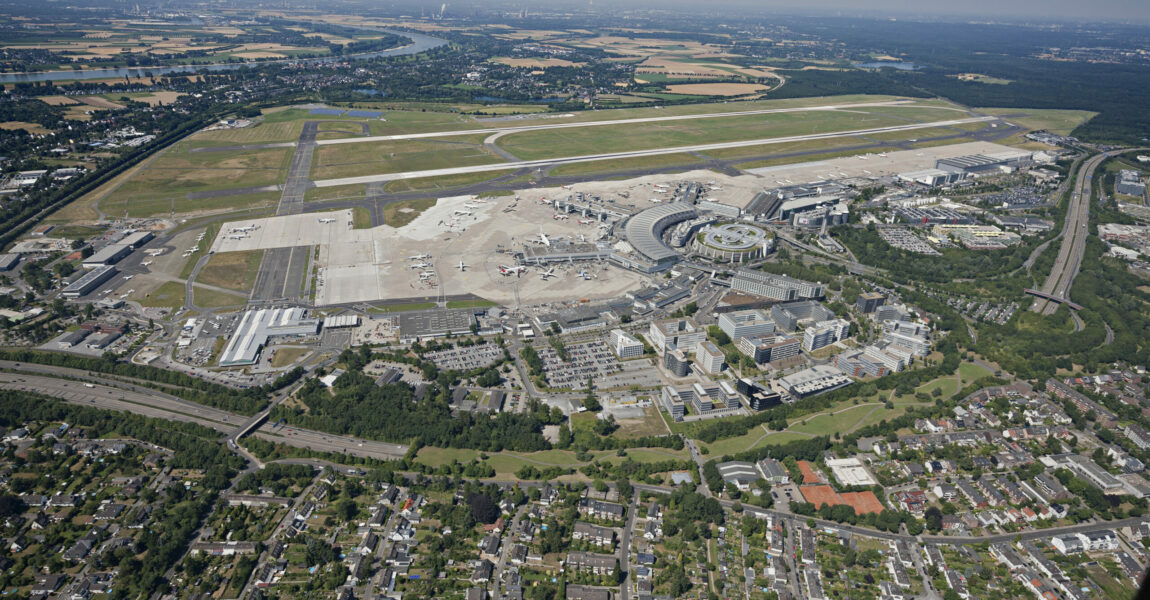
<point x="466" y="359"/>
<point x="587" y="360"/>
<point x="639" y="373"/>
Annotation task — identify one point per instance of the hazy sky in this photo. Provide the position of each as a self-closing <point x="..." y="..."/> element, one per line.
<point x="1036" y="10"/>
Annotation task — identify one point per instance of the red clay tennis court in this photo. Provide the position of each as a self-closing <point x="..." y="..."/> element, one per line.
<point x="808" y="471"/>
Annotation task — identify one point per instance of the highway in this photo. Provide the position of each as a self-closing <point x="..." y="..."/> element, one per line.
<point x="1075" y="230"/>
<point x="549" y="162"/>
<point x="154" y="405"/>
<point x="501" y="131"/>
<point x="326" y="442"/>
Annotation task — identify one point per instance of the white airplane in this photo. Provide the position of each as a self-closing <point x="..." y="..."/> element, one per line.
<point x="146" y="263"/>
<point x="237" y="237"/>
<point x="462" y="267"/>
<point x="586" y="221"/>
<point x="583" y="273"/>
<point x="559" y="217"/>
<point x="470" y="205"/>
<point x="127" y="277"/>
<point x="548" y="273"/>
<point x="656" y="200"/>
<point x="882" y="154"/>
<point x="582" y="238"/>
<point x="248" y="228"/>
<point x="420" y="256"/>
<point x="566" y="187"/>
<point x="544" y="201"/>
<point x="427" y="275"/>
<point x="516" y="271"/>
<point x="543" y="239"/>
<point x="460" y="211"/>
<point x="327" y="221"/>
<point x="421" y="265"/>
<point x="661" y="186"/>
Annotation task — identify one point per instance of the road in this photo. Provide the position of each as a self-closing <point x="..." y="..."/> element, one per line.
<point x="549" y="162"/>
<point x="1075" y="230"/>
<point x="501" y="131"/>
<point x="154" y="405"/>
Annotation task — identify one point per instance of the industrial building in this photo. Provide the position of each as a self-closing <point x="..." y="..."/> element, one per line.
<point x="746" y="323"/>
<point x="561" y="251"/>
<point x="9" y="261"/>
<point x="625" y="345"/>
<point x="258" y="325"/>
<point x="658" y="297"/>
<point x="776" y="287"/>
<point x="108" y="255"/>
<point x="1129" y="183"/>
<point x="91" y="280"/>
<point x="827" y="215"/>
<point x="979" y="164"/>
<point x="931" y="177"/>
<point x="137" y="239"/>
<point x="427" y="324"/>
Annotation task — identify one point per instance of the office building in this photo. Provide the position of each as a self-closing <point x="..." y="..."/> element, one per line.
<point x="1128" y="183"/>
<point x="673" y="402"/>
<point x="625" y="345"/>
<point x="765" y="349"/>
<point x="682" y="333"/>
<point x="746" y="323"/>
<point x="676" y="361"/>
<point x="868" y="302"/>
<point x="775" y="287"/>
<point x="709" y="357"/>
<point x="787" y="316"/>
<point x="825" y="333"/>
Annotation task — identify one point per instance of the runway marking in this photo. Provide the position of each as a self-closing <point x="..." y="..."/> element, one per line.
<point x="497" y="132"/>
<point x="637" y="153"/>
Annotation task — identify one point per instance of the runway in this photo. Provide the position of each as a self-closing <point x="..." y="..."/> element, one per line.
<point x="282" y="273"/>
<point x="501" y="131"/>
<point x="638" y="153"/>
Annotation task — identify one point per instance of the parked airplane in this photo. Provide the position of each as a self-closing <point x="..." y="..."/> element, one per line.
<point x="236" y="237"/>
<point x="548" y="273"/>
<point x="146" y="263"/>
<point x="583" y="273"/>
<point x="543" y="239"/>
<point x="420" y="256"/>
<point x="327" y="220"/>
<point x="127" y="277"/>
<point x="427" y="275"/>
<point x="516" y="271"/>
<point x="586" y="221"/>
<point x="566" y="187"/>
<point x="421" y="265"/>
<point x="462" y="267"/>
<point x="470" y="205"/>
<point x="460" y="211"/>
<point x="559" y="217"/>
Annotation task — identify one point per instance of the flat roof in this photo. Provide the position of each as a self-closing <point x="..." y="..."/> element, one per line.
<point x="435" y="322"/>
<point x="257" y="325"/>
<point x="107" y="253"/>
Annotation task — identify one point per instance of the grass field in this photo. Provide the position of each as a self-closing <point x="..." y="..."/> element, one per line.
<point x="841" y="421"/>
<point x="339" y="192"/>
<point x="507" y="463"/>
<point x="164" y="184"/>
<point x="441" y="183"/>
<point x="205" y="298"/>
<point x="392" y="308"/>
<point x="261" y="133"/>
<point x="774" y="162"/>
<point x="470" y="304"/>
<point x="790" y="148"/>
<point x="370" y="158"/>
<point x="286" y="356"/>
<point x="971" y="372"/>
<point x="398" y="214"/>
<point x="210" y="233"/>
<point x="169" y="295"/>
<point x="360" y="217"/>
<point x="1057" y="121"/>
<point x="232" y="270"/>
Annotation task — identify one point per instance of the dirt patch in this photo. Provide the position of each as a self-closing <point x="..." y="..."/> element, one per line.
<point x="717" y="89"/>
<point x="538" y="63"/>
<point x="29" y="127"/>
<point x="679" y="68"/>
<point x="99" y="102"/>
<point x="809" y="474"/>
<point x="58" y="100"/>
<point x="158" y="98"/>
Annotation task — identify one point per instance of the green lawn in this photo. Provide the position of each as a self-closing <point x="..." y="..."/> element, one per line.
<point x="626" y="164"/>
<point x="1057" y="121"/>
<point x="398" y="214"/>
<point x="169" y="295"/>
<point x="390" y="308"/>
<point x="370" y="158"/>
<point x="212" y="299"/>
<point x="444" y="182"/>
<point x="971" y="372"/>
<point x="231" y="270"/>
<point x="828" y="423"/>
<point x="470" y="304"/>
<point x="338" y="192"/>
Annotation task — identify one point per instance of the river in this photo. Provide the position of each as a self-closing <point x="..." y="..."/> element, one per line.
<point x="419" y="43"/>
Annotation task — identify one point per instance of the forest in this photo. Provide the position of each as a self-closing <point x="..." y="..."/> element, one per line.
<point x="360" y="408"/>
